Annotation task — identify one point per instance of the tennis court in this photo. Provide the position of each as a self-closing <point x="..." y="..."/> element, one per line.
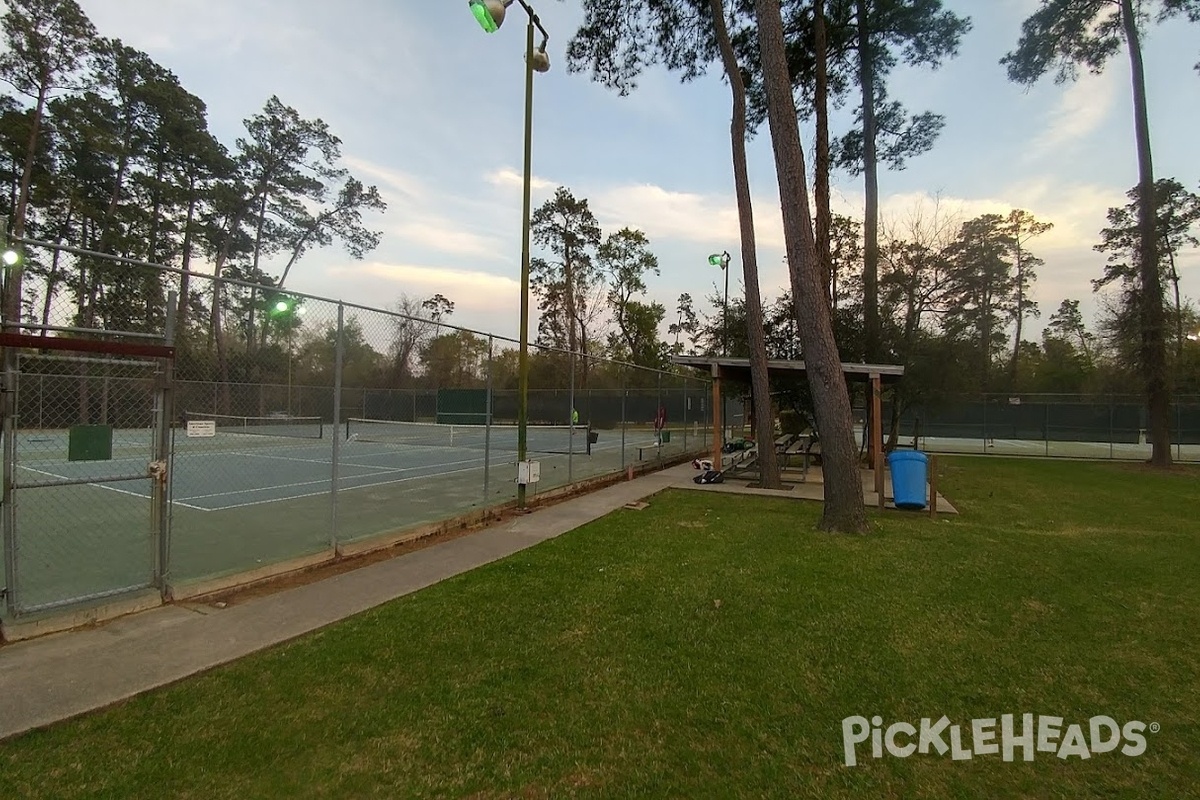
<point x="240" y="466"/>
<point x="243" y="498"/>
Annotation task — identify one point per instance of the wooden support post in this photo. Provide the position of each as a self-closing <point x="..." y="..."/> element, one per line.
<point x="718" y="422"/>
<point x="877" y="433"/>
<point x="933" y="471"/>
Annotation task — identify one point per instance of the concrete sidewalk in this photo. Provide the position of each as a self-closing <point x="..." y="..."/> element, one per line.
<point x="46" y="680"/>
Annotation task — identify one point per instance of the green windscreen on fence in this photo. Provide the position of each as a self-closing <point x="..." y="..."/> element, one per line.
<point x="462" y="406"/>
<point x="90" y="443"/>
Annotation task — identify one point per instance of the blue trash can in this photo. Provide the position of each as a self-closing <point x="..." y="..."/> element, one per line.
<point x="910" y="470"/>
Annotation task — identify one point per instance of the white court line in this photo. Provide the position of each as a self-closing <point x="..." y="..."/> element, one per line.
<point x="347" y="489"/>
<point x="325" y="480"/>
<point x="102" y="486"/>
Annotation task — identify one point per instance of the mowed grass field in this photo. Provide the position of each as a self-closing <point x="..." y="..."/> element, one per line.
<point x="711" y="646"/>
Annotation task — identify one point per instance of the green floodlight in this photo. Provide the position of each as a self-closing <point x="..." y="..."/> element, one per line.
<point x="719" y="260"/>
<point x="282" y="306"/>
<point x="488" y="13"/>
<point x="11" y="258"/>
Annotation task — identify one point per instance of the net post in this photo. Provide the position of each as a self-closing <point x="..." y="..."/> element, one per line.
<point x="339" y="354"/>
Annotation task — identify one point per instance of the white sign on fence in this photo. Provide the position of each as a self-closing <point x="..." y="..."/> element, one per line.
<point x="201" y="427"/>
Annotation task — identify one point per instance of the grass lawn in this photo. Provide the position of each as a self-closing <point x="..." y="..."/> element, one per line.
<point x="710" y="646"/>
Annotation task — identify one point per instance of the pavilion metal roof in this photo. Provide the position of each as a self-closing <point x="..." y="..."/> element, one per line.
<point x="733" y="367"/>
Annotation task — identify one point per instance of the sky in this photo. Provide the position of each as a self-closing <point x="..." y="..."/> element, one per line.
<point x="430" y="109"/>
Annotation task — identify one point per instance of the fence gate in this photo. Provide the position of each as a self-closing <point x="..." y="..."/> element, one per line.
<point x="86" y="448"/>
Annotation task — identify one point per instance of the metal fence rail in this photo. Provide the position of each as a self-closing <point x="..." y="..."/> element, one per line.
<point x="235" y="454"/>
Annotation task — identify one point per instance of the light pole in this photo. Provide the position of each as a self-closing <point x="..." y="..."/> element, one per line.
<point x="490" y="15"/>
<point x="722" y="260"/>
<point x="287" y="309"/>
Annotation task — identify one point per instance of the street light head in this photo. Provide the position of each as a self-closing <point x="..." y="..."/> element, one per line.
<point x="11" y="258"/>
<point x="719" y="260"/>
<point x="489" y="13"/>
<point x="540" y="61"/>
<point x="281" y="306"/>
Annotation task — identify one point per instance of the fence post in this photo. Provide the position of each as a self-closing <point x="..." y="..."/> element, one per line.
<point x="624" y="396"/>
<point x="8" y="515"/>
<point x="985" y="431"/>
<point x="658" y="405"/>
<point x="339" y="354"/>
<point x="571" y="412"/>
<point x="161" y="482"/>
<point x="487" y="427"/>
<point x="1046" y="428"/>
<point x="684" y="417"/>
<point x="1110" y="426"/>
<point x="1178" y="431"/>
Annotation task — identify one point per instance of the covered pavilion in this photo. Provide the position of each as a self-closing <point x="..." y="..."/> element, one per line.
<point x="723" y="368"/>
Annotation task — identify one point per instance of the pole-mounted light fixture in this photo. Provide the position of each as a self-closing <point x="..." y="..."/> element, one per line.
<point x="719" y="260"/>
<point x="541" y="61"/>
<point x="490" y="15"/>
<point x="286" y="306"/>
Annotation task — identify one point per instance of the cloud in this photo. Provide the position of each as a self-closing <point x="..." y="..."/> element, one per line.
<point x="443" y="235"/>
<point x="470" y="288"/>
<point x="506" y="177"/>
<point x="1082" y="109"/>
<point x="704" y="219"/>
<point x="390" y="181"/>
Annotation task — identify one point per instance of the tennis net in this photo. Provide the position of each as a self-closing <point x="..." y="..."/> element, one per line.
<point x="539" y="438"/>
<point x="280" y="425"/>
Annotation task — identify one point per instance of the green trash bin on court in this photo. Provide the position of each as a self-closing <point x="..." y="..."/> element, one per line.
<point x="666" y="437"/>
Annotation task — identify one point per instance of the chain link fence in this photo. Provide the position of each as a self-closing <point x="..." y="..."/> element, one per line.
<point x="1049" y="425"/>
<point x="285" y="426"/>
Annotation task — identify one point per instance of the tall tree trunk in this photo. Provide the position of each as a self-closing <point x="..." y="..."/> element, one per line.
<point x="866" y="79"/>
<point x="764" y="420"/>
<point x="1178" y="307"/>
<point x="12" y="302"/>
<point x="181" y="313"/>
<point x="218" y="338"/>
<point x="1020" y="316"/>
<point x="53" y="278"/>
<point x="843" y="510"/>
<point x="1154" y="345"/>
<point x="215" y="333"/>
<point x="252" y="311"/>
<point x="821" y="193"/>
<point x="985" y="341"/>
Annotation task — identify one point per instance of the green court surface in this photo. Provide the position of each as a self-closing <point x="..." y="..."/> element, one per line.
<point x="243" y="500"/>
